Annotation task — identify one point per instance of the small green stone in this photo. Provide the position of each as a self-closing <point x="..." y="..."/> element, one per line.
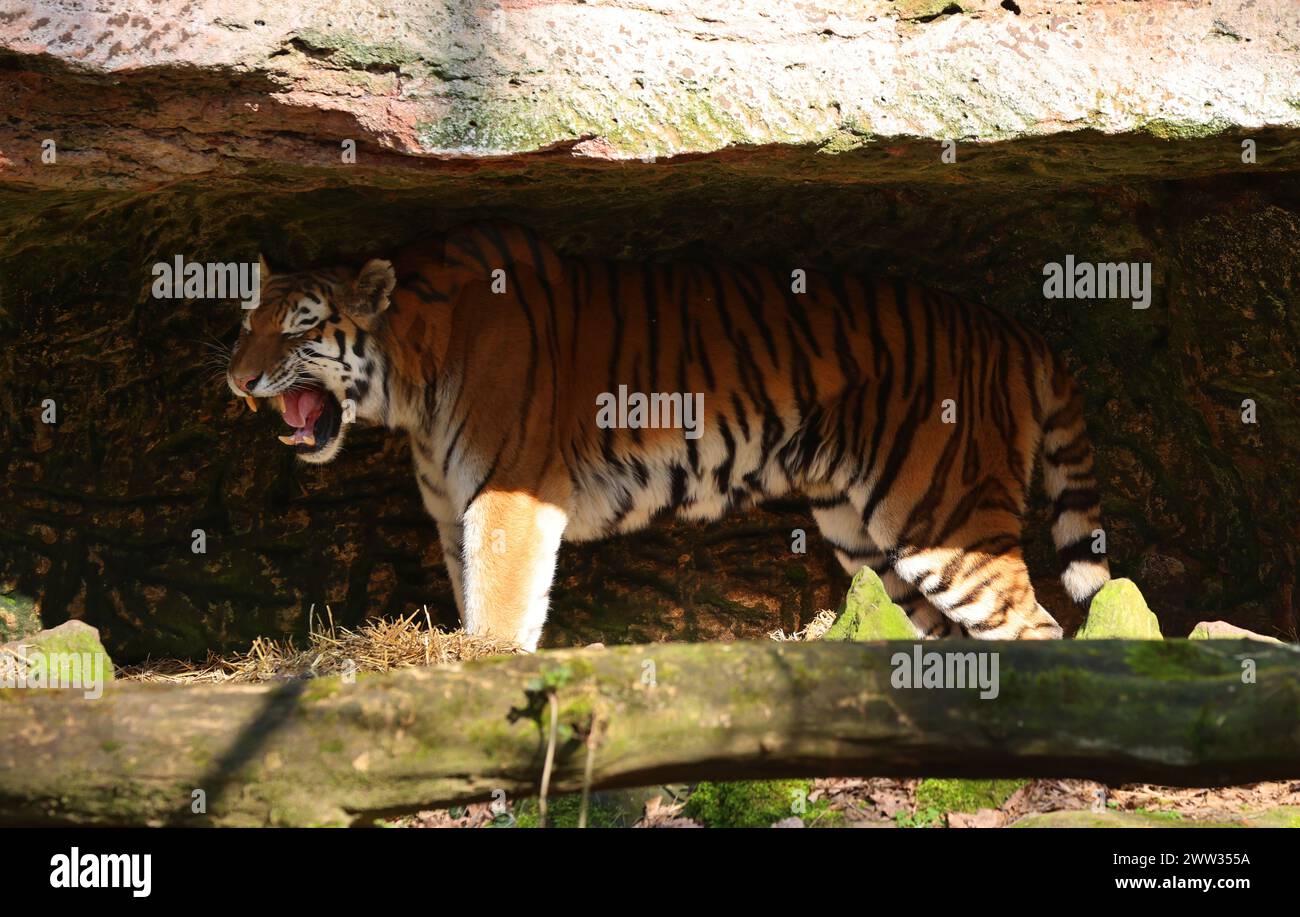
<point x="1118" y="612"/>
<point x="868" y="614"/>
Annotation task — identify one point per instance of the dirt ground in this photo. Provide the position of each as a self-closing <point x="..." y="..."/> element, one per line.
<point x="878" y="802"/>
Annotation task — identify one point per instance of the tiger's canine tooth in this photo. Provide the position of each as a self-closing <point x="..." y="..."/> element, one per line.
<point x="287" y="440"/>
<point x="252" y="403"/>
<point x="309" y="440"/>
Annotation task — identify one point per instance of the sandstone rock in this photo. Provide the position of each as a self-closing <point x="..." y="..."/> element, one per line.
<point x="981" y="818"/>
<point x="793" y="821"/>
<point x="1118" y="612"/>
<point x="235" y="83"/>
<point x="1222" y="630"/>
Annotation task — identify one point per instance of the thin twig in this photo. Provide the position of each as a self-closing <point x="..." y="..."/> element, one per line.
<point x="586" y="773"/>
<point x="550" y="757"/>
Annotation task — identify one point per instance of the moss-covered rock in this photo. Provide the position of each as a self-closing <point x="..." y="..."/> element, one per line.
<point x="70" y="639"/>
<point x="1118" y="612"/>
<point x="868" y="614"/>
<point x="1281" y="817"/>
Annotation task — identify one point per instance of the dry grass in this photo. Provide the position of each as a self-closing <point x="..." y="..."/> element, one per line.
<point x="816" y="628"/>
<point x="375" y="646"/>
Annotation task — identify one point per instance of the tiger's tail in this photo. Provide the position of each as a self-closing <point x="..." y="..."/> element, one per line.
<point x="1072" y="486"/>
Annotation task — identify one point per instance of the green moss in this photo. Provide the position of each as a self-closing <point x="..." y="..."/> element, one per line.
<point x="756" y="804"/>
<point x="846" y="138"/>
<point x="653" y="127"/>
<point x="1174" y="659"/>
<point x="1160" y="815"/>
<point x="604" y="811"/>
<point x="1282" y="817"/>
<point x="1167" y="129"/>
<point x="923" y="818"/>
<point x="354" y="52"/>
<point x="964" y="795"/>
<point x="321" y="689"/>
<point x="490" y="126"/>
<point x="492" y="736"/>
<point x="19" y="617"/>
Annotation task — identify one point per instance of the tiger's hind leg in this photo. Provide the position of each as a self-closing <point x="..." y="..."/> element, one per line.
<point x="928" y="620"/>
<point x="841" y="526"/>
<point x="985" y="588"/>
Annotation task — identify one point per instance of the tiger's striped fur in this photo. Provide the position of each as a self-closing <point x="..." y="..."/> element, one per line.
<point x="837" y="393"/>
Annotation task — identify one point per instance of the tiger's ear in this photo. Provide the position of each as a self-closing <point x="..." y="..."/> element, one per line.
<point x="252" y="297"/>
<point x="370" y="291"/>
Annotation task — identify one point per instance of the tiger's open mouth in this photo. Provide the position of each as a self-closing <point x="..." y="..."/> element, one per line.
<point x="312" y="411"/>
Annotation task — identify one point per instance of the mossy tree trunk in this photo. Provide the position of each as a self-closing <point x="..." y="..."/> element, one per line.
<point x="329" y="752"/>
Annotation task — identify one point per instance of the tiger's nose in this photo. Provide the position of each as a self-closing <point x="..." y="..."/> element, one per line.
<point x="246" y="383"/>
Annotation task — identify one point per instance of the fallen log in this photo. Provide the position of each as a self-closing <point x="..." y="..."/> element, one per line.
<point x="332" y="751"/>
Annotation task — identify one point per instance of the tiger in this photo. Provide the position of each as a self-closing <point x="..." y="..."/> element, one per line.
<point x="908" y="419"/>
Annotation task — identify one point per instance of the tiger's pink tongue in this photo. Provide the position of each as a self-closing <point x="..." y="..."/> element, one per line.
<point x="302" y="407"/>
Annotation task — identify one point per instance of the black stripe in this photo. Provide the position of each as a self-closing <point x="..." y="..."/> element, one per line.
<point x="722" y="474"/>
<point x="754" y="303"/>
<point x="1079" y="551"/>
<point x="678" y="476"/>
<point x="905" y="320"/>
<point x="1072" y="453"/>
<point x="1080" y="501"/>
<point x="894" y="463"/>
<point x="797" y="311"/>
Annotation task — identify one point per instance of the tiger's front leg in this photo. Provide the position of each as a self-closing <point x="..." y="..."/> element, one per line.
<point x="452" y="536"/>
<point x="511" y="539"/>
